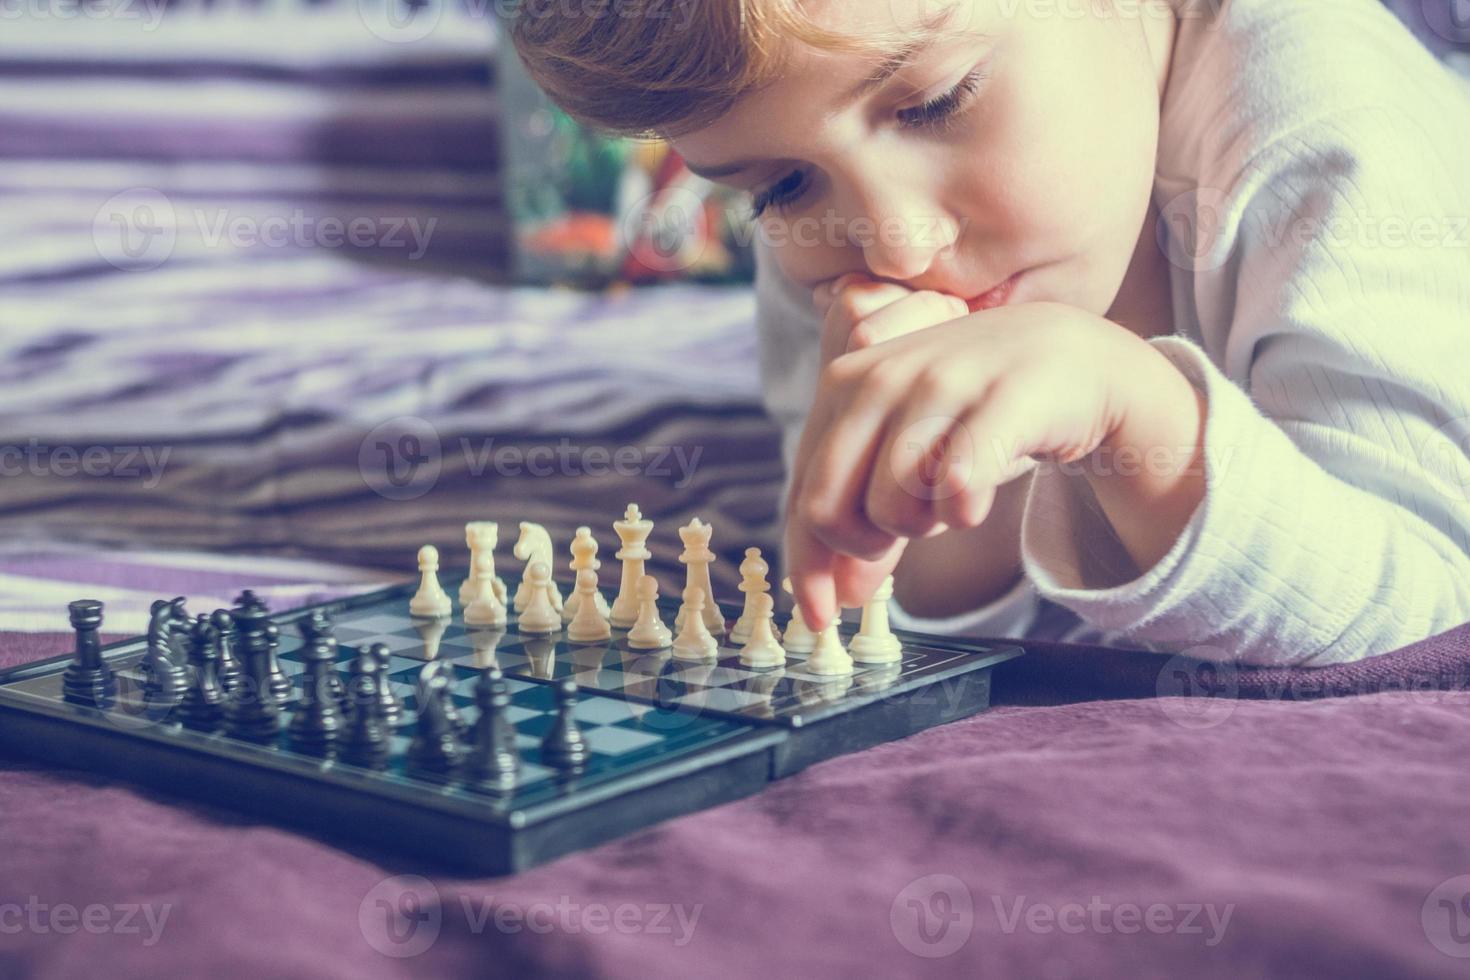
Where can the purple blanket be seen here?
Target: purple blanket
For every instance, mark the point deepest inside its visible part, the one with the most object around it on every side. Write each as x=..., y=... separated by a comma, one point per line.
x=1236, y=833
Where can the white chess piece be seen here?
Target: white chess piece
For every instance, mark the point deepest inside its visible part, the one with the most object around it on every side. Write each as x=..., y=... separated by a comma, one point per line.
x=799, y=638
x=762, y=649
x=483, y=644
x=485, y=608
x=753, y=572
x=648, y=631
x=587, y=625
x=532, y=546
x=481, y=536
x=584, y=555
x=431, y=599
x=431, y=632
x=632, y=531
x=697, y=558
x=875, y=642
x=539, y=616
x=829, y=657
x=695, y=641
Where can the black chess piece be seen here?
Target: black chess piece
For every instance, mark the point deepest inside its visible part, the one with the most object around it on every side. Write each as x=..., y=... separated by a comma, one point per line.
x=88, y=680
x=227, y=664
x=390, y=707
x=318, y=628
x=317, y=723
x=435, y=746
x=202, y=707
x=493, y=758
x=366, y=741
x=564, y=746
x=251, y=712
x=164, y=679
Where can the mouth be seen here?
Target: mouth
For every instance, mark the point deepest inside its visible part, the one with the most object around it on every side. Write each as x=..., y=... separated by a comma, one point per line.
x=995, y=296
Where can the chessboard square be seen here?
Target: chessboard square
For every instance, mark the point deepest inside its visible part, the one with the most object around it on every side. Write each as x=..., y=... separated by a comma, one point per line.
x=618, y=741
x=400, y=645
x=714, y=677
x=516, y=714
x=379, y=623
x=398, y=744
x=530, y=772
x=603, y=680
x=602, y=711
x=722, y=699
x=526, y=741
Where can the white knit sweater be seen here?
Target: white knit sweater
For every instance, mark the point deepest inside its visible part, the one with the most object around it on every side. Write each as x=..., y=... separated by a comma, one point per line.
x=1320, y=158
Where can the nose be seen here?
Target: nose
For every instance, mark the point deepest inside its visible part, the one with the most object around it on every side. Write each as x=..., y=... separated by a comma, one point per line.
x=904, y=231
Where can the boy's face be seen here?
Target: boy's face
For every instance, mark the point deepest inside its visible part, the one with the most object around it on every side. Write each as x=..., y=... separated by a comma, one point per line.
x=1044, y=171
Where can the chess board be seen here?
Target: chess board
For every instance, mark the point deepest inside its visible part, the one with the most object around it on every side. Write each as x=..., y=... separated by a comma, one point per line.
x=666, y=736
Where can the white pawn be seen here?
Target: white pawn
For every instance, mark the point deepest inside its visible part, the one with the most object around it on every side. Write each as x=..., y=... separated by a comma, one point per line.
x=539, y=616
x=648, y=631
x=875, y=642
x=829, y=657
x=584, y=555
x=799, y=638
x=695, y=641
x=753, y=571
x=587, y=625
x=762, y=649
x=431, y=599
x=485, y=608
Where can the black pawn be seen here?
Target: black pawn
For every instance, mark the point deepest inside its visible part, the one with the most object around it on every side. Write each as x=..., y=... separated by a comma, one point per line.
x=227, y=664
x=317, y=628
x=366, y=742
x=317, y=723
x=88, y=680
x=494, y=757
x=564, y=746
x=202, y=708
x=435, y=746
x=391, y=709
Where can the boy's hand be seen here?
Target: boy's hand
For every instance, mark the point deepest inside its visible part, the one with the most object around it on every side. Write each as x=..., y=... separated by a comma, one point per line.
x=857, y=312
x=915, y=432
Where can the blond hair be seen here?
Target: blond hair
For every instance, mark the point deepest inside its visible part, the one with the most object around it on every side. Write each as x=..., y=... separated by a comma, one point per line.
x=658, y=68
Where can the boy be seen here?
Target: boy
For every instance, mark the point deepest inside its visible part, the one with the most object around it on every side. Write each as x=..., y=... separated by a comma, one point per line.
x=1155, y=310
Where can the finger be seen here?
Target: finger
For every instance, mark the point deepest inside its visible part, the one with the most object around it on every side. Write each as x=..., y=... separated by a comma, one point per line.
x=855, y=580
x=926, y=478
x=811, y=567
x=912, y=313
x=835, y=477
x=823, y=293
x=854, y=304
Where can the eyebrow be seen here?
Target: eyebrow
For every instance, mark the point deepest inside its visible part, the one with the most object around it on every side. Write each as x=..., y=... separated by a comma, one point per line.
x=895, y=62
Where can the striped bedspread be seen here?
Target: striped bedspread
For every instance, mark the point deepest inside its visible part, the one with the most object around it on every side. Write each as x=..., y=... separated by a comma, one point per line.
x=253, y=333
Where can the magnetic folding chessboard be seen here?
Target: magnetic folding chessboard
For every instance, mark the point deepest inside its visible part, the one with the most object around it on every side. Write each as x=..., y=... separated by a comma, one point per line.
x=666, y=736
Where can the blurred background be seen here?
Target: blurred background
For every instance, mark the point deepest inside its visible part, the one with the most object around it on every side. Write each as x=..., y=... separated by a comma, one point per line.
x=289, y=289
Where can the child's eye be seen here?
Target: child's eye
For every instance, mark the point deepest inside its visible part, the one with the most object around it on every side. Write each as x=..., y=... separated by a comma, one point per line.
x=942, y=108
x=779, y=195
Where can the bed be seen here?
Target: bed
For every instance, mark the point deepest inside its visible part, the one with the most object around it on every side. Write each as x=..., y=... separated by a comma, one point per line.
x=194, y=411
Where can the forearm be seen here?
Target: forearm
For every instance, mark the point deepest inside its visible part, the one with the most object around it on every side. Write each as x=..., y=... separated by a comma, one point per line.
x=965, y=569
x=1148, y=475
